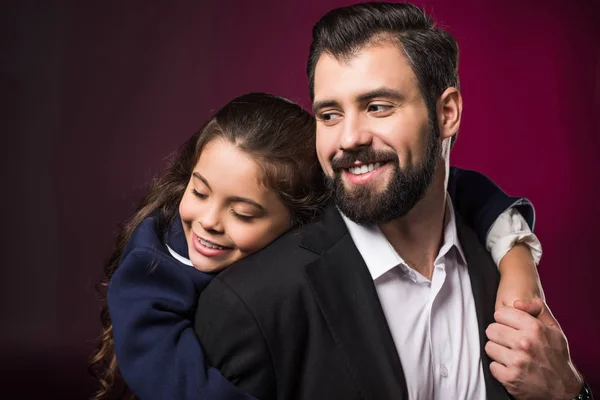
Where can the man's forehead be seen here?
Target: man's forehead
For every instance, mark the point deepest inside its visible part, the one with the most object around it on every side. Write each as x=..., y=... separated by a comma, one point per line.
x=372, y=67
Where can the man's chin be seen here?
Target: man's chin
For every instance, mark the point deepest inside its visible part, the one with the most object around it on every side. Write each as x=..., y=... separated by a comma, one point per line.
x=359, y=199
x=363, y=191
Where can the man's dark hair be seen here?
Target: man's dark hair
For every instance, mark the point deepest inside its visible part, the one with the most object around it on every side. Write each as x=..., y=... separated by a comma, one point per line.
x=431, y=52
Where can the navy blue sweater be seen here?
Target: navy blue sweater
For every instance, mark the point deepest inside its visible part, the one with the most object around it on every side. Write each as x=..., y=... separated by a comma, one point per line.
x=152, y=299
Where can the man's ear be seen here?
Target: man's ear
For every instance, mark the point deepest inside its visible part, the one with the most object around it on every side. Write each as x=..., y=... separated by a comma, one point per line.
x=449, y=110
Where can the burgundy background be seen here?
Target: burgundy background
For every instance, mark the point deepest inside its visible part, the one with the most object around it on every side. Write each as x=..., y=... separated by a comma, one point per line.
x=99, y=94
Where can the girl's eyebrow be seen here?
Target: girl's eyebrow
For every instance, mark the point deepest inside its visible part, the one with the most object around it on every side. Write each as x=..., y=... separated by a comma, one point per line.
x=234, y=199
x=198, y=176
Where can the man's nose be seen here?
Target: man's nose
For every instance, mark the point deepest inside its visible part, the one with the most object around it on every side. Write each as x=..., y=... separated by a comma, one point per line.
x=355, y=133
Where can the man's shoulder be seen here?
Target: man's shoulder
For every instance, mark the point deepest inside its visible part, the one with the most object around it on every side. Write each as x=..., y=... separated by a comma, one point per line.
x=281, y=265
x=282, y=261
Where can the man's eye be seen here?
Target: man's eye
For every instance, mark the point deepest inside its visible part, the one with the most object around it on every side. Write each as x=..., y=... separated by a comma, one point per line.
x=329, y=116
x=378, y=107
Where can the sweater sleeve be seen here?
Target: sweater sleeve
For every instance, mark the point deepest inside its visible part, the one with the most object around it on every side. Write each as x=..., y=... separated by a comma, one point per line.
x=480, y=201
x=152, y=302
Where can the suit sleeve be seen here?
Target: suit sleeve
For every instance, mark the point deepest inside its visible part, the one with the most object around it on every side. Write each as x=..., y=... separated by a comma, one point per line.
x=480, y=201
x=233, y=340
x=151, y=303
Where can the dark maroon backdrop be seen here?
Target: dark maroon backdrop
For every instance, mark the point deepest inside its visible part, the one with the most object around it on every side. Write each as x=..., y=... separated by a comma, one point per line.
x=99, y=94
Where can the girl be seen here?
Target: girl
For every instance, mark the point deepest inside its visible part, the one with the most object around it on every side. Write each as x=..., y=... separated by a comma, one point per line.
x=256, y=160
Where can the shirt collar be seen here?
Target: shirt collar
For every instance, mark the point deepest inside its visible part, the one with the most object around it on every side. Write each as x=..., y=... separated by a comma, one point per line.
x=378, y=253
x=451, y=233
x=176, y=242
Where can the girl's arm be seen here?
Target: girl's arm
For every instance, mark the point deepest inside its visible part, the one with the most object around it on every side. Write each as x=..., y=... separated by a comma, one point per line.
x=152, y=302
x=516, y=251
x=504, y=224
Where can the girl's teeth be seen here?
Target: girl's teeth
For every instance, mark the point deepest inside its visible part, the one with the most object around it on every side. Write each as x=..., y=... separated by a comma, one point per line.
x=363, y=169
x=210, y=245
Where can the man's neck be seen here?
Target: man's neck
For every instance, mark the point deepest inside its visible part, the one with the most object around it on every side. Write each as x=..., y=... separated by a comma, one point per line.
x=417, y=237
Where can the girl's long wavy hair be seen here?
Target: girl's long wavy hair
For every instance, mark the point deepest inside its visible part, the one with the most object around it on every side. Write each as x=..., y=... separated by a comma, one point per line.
x=279, y=135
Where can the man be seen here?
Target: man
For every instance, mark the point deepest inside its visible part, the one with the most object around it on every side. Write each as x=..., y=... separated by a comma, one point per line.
x=324, y=313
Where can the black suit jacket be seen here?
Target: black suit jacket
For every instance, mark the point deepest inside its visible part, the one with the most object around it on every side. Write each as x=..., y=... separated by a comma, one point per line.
x=302, y=320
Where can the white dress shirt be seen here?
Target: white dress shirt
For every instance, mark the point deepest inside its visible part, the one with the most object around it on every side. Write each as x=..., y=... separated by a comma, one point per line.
x=510, y=228
x=433, y=322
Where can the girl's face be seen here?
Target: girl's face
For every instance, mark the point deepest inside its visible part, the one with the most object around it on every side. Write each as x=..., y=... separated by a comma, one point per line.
x=227, y=212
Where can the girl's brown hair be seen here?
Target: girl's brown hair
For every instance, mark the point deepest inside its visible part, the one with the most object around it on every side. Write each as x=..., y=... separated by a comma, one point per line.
x=279, y=135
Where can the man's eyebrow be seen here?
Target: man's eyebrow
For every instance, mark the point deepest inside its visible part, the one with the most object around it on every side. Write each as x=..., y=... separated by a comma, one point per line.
x=362, y=98
x=380, y=92
x=236, y=199
x=317, y=105
x=198, y=176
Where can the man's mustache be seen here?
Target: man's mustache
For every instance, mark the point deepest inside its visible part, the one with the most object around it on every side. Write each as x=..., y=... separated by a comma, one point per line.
x=365, y=156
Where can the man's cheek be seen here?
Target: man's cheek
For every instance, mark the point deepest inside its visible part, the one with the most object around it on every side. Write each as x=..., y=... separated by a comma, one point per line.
x=325, y=153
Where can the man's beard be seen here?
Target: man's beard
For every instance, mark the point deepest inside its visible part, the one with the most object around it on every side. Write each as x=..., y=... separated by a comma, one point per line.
x=365, y=204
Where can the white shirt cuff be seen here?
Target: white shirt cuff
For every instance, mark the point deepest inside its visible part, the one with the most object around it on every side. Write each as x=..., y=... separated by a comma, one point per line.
x=509, y=229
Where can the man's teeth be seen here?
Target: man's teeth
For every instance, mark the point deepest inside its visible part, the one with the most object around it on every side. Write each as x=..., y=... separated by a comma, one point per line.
x=208, y=244
x=363, y=169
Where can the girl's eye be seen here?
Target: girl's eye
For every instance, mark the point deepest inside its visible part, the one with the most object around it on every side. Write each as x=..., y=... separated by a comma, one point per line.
x=198, y=194
x=245, y=218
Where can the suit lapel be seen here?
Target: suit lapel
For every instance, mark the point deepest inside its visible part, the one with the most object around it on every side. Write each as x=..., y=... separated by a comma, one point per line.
x=348, y=300
x=484, y=278
x=346, y=295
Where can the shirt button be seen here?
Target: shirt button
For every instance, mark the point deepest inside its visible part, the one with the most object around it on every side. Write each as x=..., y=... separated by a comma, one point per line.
x=444, y=371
